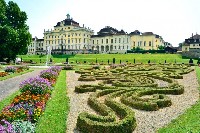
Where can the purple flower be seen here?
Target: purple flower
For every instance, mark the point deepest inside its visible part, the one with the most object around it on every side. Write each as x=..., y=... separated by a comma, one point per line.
x=35, y=85
x=10, y=69
x=6, y=127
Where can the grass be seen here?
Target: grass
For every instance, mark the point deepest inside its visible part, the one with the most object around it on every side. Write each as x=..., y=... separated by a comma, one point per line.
x=189, y=122
x=6, y=101
x=55, y=116
x=139, y=58
x=14, y=75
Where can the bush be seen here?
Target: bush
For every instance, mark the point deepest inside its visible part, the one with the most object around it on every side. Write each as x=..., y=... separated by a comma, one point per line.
x=68, y=67
x=10, y=69
x=35, y=85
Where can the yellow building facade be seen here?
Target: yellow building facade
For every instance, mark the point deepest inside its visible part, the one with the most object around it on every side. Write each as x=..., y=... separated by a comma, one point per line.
x=67, y=37
x=145, y=41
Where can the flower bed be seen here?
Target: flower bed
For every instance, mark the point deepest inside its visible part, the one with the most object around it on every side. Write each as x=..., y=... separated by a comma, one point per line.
x=27, y=107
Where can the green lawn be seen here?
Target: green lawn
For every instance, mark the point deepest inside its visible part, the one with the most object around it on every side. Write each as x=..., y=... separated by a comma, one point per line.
x=6, y=101
x=154, y=58
x=55, y=116
x=189, y=122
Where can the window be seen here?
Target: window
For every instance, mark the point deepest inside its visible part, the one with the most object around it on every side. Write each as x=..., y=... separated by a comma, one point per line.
x=138, y=43
x=102, y=41
x=93, y=41
x=144, y=43
x=68, y=41
x=119, y=47
x=193, y=45
x=106, y=41
x=68, y=35
x=68, y=46
x=98, y=42
x=149, y=43
x=68, y=27
x=119, y=40
x=84, y=40
x=123, y=47
x=111, y=40
x=115, y=47
x=115, y=40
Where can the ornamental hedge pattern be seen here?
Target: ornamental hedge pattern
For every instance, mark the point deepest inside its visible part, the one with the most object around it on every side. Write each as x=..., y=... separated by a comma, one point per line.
x=124, y=87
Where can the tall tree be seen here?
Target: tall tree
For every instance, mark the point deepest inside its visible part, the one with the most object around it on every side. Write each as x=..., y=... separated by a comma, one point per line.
x=14, y=32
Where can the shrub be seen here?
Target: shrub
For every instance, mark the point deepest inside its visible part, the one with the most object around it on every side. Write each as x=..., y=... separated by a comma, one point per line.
x=96, y=67
x=68, y=67
x=5, y=127
x=35, y=85
x=10, y=69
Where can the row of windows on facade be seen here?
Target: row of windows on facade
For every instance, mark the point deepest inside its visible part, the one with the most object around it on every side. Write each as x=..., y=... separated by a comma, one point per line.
x=140, y=43
x=72, y=34
x=78, y=47
x=196, y=45
x=39, y=44
x=30, y=50
x=111, y=41
x=64, y=41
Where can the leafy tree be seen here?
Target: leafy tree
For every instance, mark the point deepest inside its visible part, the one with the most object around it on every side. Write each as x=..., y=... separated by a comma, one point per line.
x=161, y=47
x=14, y=34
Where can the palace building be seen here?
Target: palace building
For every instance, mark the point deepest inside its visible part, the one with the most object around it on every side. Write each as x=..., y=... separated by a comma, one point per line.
x=146, y=40
x=110, y=40
x=68, y=37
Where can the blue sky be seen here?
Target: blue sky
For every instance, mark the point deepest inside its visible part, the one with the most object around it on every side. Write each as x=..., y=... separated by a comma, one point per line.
x=174, y=20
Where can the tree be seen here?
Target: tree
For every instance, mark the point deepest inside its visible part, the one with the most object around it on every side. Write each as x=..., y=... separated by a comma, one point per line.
x=14, y=34
x=161, y=47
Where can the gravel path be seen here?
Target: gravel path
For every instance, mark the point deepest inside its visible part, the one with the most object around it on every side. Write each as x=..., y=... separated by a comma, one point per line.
x=11, y=85
x=146, y=121
x=78, y=102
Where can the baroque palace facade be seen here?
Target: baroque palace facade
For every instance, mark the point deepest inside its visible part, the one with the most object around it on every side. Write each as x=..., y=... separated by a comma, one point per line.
x=68, y=37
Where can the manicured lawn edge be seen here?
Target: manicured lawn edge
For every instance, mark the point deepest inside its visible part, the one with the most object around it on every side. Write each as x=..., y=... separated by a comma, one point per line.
x=6, y=101
x=55, y=116
x=188, y=122
x=15, y=74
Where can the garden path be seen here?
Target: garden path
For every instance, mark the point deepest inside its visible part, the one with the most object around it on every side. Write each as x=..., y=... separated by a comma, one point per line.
x=9, y=86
